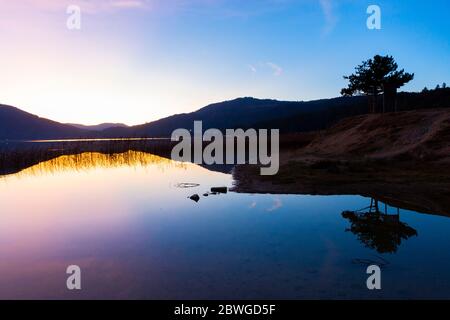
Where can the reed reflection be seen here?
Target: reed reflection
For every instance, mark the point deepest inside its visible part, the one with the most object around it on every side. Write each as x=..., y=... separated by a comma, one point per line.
x=95, y=160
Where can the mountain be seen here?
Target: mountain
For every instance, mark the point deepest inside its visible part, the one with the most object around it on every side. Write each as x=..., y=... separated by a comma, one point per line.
x=98, y=127
x=16, y=124
x=288, y=116
x=238, y=113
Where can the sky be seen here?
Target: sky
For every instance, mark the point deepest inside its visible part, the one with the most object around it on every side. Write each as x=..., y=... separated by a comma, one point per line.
x=135, y=61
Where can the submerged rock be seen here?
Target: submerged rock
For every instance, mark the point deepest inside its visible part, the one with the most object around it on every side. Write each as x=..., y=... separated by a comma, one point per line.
x=195, y=197
x=219, y=190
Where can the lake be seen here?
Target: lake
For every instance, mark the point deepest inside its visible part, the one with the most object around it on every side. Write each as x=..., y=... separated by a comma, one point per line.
x=128, y=221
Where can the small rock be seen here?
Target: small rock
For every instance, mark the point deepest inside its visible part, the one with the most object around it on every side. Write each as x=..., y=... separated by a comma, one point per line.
x=195, y=197
x=219, y=189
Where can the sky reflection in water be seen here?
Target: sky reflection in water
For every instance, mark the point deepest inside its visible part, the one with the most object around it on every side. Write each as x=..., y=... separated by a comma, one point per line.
x=135, y=234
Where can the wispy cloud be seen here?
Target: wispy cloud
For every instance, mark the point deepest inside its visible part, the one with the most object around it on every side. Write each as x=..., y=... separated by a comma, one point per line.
x=330, y=17
x=276, y=69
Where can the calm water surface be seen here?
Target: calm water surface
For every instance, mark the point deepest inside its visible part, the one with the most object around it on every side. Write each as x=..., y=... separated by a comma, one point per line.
x=130, y=226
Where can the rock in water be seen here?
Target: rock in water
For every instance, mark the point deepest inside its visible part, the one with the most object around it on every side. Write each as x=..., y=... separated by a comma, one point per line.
x=219, y=189
x=195, y=197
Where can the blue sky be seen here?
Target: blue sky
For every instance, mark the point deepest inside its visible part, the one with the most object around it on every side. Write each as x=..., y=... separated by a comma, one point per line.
x=135, y=60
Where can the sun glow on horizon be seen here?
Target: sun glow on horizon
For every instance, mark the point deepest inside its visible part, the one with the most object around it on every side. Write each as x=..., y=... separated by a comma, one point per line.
x=94, y=75
x=136, y=61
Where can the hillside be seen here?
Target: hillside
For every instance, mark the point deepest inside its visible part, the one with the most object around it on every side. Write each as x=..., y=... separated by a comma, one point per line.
x=317, y=118
x=238, y=113
x=16, y=124
x=399, y=158
x=288, y=116
x=410, y=135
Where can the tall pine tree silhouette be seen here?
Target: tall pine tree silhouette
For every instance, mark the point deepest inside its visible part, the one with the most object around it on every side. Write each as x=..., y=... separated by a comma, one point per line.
x=379, y=75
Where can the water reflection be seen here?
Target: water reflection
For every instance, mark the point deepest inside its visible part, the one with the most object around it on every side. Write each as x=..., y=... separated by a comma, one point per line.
x=21, y=155
x=126, y=219
x=94, y=160
x=383, y=232
x=426, y=192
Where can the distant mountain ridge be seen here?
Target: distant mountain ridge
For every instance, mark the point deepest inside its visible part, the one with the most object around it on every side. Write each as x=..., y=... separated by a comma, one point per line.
x=288, y=116
x=98, y=127
x=238, y=113
x=16, y=124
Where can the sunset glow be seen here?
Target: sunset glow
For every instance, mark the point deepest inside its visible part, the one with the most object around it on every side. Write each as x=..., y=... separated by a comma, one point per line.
x=135, y=61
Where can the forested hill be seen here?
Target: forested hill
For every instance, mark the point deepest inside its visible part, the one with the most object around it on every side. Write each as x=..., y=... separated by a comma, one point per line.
x=288, y=116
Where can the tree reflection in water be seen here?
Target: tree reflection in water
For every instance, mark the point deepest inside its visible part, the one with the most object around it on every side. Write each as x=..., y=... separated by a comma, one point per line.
x=377, y=230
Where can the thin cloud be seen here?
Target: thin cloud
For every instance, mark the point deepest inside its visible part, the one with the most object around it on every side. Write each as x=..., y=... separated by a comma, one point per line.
x=252, y=68
x=276, y=69
x=328, y=12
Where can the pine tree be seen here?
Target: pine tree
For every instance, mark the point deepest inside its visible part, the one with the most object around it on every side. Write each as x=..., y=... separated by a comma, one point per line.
x=379, y=75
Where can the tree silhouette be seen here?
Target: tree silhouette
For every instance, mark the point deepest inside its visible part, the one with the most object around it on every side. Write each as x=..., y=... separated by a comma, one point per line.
x=379, y=75
x=378, y=231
